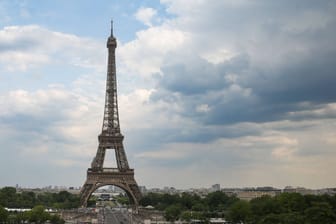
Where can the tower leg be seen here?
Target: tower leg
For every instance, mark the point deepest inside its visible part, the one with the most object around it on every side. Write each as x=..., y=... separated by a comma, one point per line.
x=98, y=161
x=85, y=194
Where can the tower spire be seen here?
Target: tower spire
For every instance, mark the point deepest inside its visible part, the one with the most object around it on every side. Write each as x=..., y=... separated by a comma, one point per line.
x=111, y=27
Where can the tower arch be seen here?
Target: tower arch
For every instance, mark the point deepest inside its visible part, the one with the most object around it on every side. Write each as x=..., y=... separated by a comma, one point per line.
x=131, y=197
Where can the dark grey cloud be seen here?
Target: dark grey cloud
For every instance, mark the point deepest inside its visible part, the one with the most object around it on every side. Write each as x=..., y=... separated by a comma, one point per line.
x=276, y=93
x=197, y=76
x=313, y=80
x=273, y=93
x=163, y=135
x=283, y=63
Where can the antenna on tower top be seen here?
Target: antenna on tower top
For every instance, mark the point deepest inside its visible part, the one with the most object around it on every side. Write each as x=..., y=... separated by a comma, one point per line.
x=111, y=27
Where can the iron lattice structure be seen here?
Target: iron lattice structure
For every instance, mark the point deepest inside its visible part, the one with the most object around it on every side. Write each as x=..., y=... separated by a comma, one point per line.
x=111, y=139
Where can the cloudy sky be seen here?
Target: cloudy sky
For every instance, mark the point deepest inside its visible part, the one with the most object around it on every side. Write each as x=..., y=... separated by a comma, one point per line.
x=236, y=92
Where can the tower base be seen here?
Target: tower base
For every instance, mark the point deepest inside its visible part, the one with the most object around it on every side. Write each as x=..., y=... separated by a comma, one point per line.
x=111, y=176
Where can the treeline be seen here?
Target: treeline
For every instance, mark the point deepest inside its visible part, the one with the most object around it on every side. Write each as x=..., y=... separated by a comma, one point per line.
x=10, y=198
x=36, y=215
x=285, y=208
x=63, y=200
x=187, y=206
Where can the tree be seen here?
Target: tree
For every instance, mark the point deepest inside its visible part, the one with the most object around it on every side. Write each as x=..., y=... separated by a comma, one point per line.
x=186, y=216
x=122, y=199
x=8, y=197
x=284, y=218
x=20, y=217
x=219, y=201
x=239, y=212
x=270, y=219
x=3, y=214
x=26, y=200
x=37, y=215
x=320, y=212
x=291, y=218
x=263, y=206
x=189, y=200
x=54, y=219
x=200, y=207
x=173, y=212
x=292, y=202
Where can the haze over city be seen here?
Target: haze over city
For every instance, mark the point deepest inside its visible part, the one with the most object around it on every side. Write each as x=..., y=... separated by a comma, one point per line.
x=235, y=92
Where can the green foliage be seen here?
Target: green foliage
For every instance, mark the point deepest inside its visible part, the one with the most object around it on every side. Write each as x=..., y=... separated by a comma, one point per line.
x=18, y=217
x=215, y=202
x=37, y=215
x=12, y=199
x=286, y=208
x=122, y=199
x=3, y=214
x=8, y=197
x=150, y=199
x=26, y=199
x=240, y=211
x=172, y=212
x=63, y=200
x=54, y=219
x=219, y=201
x=192, y=215
x=292, y=202
x=189, y=200
x=200, y=207
x=320, y=213
x=284, y=218
x=263, y=206
x=186, y=216
x=190, y=206
x=162, y=201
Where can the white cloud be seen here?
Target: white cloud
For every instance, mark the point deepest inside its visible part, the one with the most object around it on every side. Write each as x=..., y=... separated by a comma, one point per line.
x=25, y=47
x=218, y=56
x=203, y=108
x=35, y=150
x=145, y=15
x=67, y=163
x=144, y=55
x=172, y=153
x=283, y=153
x=53, y=117
x=38, y=103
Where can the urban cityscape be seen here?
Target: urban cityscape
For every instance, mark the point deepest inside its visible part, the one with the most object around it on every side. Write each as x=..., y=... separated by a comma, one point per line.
x=110, y=205
x=246, y=193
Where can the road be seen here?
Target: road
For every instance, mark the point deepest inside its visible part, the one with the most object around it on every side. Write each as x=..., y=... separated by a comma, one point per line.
x=116, y=216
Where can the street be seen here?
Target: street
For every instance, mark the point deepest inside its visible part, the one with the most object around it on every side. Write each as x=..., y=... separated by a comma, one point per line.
x=115, y=216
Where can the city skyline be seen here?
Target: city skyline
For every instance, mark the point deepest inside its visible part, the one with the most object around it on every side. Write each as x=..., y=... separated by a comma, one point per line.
x=239, y=93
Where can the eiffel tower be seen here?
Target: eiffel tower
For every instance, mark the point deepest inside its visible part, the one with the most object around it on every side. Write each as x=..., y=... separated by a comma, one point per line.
x=111, y=139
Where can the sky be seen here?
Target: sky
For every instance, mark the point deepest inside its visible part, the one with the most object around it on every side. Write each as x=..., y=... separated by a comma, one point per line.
x=236, y=92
